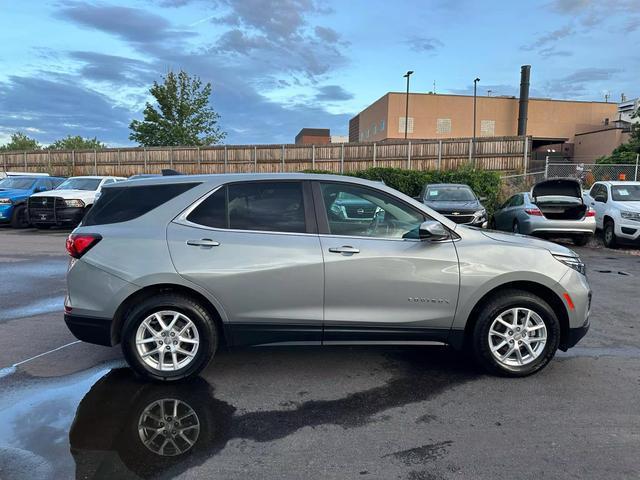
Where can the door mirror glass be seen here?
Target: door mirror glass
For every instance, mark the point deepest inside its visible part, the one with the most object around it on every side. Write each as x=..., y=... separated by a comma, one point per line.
x=600, y=198
x=432, y=230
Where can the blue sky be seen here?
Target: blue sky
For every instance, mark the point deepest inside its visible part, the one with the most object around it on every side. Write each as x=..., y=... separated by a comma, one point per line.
x=84, y=67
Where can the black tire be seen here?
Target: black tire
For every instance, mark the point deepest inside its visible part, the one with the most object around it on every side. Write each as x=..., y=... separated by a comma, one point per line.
x=19, y=217
x=516, y=227
x=492, y=224
x=204, y=323
x=504, y=301
x=581, y=240
x=609, y=234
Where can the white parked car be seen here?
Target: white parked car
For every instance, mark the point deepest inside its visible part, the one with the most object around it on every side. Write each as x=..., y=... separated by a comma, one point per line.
x=67, y=204
x=617, y=206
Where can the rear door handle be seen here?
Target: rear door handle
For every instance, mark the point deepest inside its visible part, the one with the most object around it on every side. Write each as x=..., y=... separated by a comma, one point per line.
x=345, y=250
x=204, y=242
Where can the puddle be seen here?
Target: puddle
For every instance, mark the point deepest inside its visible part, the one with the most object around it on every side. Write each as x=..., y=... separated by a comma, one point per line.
x=613, y=272
x=107, y=423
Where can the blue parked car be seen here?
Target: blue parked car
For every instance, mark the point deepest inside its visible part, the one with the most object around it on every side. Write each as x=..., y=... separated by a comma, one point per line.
x=14, y=192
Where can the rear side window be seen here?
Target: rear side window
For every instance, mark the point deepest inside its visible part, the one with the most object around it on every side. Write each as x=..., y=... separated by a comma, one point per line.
x=120, y=204
x=264, y=206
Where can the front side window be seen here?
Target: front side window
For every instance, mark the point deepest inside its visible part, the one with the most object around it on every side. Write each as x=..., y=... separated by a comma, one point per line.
x=364, y=212
x=263, y=206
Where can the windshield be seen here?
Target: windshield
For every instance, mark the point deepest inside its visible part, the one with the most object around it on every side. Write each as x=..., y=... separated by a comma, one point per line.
x=450, y=194
x=625, y=193
x=79, y=184
x=18, y=183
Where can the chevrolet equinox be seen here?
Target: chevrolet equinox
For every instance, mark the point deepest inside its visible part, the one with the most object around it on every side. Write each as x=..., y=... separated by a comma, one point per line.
x=174, y=267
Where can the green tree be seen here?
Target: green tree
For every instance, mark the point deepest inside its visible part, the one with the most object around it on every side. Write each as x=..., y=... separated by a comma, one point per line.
x=627, y=152
x=19, y=141
x=181, y=115
x=77, y=143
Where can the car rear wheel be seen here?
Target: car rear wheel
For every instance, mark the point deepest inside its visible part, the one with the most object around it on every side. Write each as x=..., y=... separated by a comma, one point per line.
x=609, y=234
x=517, y=333
x=19, y=217
x=169, y=337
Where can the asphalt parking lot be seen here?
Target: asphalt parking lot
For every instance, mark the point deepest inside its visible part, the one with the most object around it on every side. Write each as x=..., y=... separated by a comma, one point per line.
x=73, y=410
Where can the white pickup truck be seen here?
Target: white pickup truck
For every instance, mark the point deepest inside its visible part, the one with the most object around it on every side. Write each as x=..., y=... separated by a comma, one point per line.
x=617, y=206
x=67, y=204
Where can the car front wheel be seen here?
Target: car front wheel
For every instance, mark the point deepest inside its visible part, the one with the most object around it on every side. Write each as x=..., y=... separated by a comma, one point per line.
x=516, y=334
x=609, y=234
x=169, y=337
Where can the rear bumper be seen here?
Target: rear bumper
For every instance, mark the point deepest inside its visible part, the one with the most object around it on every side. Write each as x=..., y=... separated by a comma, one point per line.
x=544, y=226
x=90, y=329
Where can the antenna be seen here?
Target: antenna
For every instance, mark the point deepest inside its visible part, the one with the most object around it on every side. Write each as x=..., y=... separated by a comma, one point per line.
x=606, y=96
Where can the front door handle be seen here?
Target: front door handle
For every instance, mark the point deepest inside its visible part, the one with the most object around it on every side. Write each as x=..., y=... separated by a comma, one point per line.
x=204, y=242
x=345, y=250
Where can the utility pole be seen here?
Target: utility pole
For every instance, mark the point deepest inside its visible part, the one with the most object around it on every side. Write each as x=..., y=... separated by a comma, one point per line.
x=406, y=110
x=475, y=95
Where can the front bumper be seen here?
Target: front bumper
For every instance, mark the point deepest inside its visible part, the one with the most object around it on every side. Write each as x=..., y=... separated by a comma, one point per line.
x=6, y=210
x=90, y=329
x=627, y=230
x=58, y=216
x=575, y=335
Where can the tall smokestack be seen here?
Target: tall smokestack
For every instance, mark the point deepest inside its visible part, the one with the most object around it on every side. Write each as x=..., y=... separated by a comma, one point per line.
x=525, y=74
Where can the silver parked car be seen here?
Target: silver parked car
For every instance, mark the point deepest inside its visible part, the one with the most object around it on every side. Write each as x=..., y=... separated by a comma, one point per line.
x=174, y=267
x=554, y=208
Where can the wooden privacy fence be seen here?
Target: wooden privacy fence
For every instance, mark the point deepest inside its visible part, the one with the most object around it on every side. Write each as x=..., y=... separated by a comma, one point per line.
x=494, y=153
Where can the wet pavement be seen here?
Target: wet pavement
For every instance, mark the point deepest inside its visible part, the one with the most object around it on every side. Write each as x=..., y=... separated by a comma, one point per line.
x=72, y=410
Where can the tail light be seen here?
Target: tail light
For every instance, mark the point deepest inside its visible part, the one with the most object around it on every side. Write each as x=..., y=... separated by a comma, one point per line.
x=80, y=243
x=533, y=211
x=591, y=212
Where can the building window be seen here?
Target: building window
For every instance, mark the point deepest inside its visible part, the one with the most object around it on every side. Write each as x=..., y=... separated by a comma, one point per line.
x=374, y=128
x=382, y=125
x=401, y=125
x=487, y=128
x=443, y=126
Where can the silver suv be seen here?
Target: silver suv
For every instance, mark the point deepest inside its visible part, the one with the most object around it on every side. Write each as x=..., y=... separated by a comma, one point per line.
x=175, y=267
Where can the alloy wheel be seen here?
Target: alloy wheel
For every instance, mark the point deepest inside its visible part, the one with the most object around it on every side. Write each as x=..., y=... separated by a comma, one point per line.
x=517, y=337
x=167, y=340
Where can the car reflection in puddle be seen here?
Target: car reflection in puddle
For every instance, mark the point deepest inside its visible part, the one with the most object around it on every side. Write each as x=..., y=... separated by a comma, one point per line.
x=150, y=428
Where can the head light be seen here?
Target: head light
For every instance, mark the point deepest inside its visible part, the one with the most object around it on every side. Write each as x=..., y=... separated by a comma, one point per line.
x=572, y=262
x=74, y=203
x=630, y=215
x=480, y=213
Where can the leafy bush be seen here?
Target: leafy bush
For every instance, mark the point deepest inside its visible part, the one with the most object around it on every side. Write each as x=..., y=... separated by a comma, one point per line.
x=484, y=183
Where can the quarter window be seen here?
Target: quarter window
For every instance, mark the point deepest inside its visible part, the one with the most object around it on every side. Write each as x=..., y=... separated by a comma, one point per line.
x=265, y=206
x=363, y=212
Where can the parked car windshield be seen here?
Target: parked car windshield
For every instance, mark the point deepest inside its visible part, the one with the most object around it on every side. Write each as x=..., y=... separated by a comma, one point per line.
x=79, y=184
x=19, y=183
x=450, y=194
x=625, y=193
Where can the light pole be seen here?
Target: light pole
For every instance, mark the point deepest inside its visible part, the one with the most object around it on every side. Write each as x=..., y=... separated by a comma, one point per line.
x=475, y=91
x=406, y=110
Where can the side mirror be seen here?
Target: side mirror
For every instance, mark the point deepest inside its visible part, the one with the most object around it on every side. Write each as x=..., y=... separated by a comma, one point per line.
x=432, y=230
x=418, y=198
x=482, y=199
x=600, y=198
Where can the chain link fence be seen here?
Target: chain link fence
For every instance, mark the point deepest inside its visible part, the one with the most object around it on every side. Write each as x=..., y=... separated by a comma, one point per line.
x=588, y=173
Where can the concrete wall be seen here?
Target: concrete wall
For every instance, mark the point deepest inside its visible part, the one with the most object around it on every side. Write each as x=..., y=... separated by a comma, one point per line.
x=447, y=116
